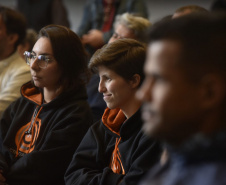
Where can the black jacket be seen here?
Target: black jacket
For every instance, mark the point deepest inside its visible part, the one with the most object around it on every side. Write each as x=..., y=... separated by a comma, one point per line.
x=39, y=152
x=91, y=162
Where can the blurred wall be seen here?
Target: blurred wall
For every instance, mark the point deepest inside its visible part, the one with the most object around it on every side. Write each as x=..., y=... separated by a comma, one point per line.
x=157, y=8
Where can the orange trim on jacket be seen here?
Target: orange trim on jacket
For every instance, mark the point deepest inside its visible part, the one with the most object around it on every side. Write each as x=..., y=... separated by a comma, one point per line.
x=32, y=93
x=27, y=135
x=113, y=120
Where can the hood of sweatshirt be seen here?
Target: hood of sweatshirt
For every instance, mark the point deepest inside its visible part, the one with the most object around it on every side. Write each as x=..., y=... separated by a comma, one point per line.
x=35, y=95
x=113, y=119
x=32, y=93
x=27, y=135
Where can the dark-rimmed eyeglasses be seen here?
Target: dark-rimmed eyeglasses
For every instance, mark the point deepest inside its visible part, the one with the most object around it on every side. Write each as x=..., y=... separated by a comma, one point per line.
x=42, y=62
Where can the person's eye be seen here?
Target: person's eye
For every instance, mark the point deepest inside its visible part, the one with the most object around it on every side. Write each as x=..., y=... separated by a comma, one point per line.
x=107, y=79
x=43, y=57
x=115, y=35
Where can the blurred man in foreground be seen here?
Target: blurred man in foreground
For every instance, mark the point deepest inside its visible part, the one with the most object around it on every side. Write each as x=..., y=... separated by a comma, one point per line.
x=185, y=98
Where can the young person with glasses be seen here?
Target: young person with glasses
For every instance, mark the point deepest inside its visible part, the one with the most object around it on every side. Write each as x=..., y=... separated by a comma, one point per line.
x=40, y=131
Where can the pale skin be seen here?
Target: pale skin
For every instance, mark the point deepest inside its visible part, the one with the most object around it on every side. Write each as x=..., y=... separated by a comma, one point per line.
x=117, y=92
x=48, y=77
x=93, y=38
x=120, y=32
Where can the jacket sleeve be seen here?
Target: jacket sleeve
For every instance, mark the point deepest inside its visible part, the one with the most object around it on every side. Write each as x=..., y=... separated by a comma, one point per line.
x=89, y=167
x=143, y=159
x=89, y=163
x=86, y=21
x=11, y=90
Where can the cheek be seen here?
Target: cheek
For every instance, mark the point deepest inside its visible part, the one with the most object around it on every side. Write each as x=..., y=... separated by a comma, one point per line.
x=54, y=74
x=161, y=96
x=111, y=40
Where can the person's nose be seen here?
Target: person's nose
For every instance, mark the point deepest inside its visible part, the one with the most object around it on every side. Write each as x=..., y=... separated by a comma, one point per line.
x=34, y=64
x=144, y=93
x=101, y=87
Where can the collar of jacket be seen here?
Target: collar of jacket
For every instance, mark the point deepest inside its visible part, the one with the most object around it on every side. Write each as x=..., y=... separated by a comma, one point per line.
x=35, y=95
x=127, y=127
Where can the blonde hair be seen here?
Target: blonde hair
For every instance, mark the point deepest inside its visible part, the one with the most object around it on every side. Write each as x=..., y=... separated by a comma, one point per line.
x=137, y=24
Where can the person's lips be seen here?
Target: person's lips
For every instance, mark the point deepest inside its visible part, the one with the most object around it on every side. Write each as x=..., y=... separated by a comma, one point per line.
x=106, y=97
x=35, y=78
x=147, y=113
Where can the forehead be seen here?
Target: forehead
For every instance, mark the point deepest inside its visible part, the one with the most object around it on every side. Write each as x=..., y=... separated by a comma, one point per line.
x=43, y=46
x=103, y=70
x=163, y=54
x=124, y=31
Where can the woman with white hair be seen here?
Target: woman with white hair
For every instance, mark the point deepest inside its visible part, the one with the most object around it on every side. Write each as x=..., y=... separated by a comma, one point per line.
x=130, y=26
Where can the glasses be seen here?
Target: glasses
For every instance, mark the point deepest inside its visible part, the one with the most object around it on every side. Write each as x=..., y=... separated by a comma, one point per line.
x=42, y=60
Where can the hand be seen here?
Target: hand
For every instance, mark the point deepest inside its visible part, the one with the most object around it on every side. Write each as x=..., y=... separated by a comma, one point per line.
x=94, y=38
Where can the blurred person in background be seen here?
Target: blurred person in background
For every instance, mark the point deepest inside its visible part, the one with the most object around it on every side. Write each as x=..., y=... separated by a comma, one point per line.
x=130, y=26
x=13, y=70
x=28, y=42
x=218, y=6
x=184, y=10
x=40, y=13
x=96, y=26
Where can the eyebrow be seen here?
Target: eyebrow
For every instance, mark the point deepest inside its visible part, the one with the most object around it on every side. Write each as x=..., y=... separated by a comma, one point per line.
x=42, y=53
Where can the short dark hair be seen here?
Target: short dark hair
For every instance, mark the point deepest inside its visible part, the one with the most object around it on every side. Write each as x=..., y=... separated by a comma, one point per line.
x=125, y=57
x=192, y=8
x=15, y=23
x=69, y=53
x=202, y=39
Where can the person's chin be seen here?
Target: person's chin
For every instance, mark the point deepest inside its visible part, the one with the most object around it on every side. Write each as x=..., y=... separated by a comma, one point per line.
x=148, y=128
x=110, y=106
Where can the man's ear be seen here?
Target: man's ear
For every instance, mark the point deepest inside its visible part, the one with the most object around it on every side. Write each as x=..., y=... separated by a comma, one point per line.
x=212, y=89
x=135, y=81
x=12, y=38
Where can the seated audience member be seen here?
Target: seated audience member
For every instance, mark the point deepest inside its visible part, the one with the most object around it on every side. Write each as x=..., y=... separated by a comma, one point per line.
x=130, y=26
x=184, y=95
x=184, y=10
x=40, y=13
x=96, y=26
x=218, y=6
x=13, y=70
x=28, y=42
x=115, y=150
x=126, y=26
x=41, y=130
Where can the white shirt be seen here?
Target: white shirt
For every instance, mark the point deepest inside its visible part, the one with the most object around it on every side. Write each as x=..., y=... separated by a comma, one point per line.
x=14, y=72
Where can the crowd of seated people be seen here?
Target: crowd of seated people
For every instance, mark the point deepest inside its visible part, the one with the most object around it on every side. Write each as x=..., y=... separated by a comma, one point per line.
x=122, y=101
